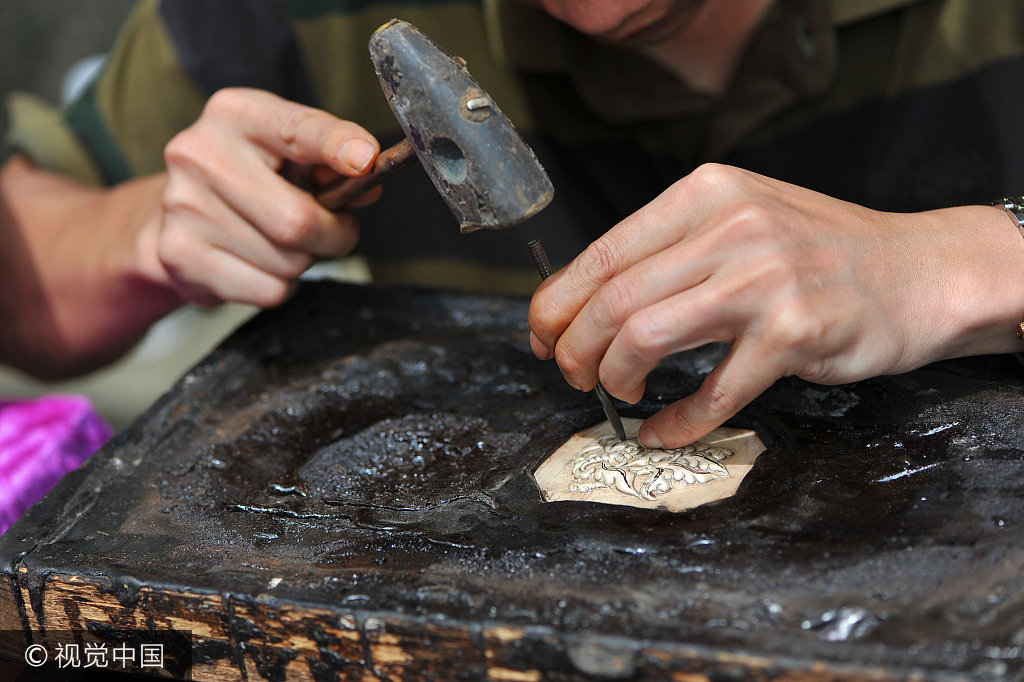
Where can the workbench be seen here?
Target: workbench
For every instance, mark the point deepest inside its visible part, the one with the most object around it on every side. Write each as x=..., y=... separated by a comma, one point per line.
x=343, y=490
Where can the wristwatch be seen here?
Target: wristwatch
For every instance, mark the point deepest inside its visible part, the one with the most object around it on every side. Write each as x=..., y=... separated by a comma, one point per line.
x=1014, y=207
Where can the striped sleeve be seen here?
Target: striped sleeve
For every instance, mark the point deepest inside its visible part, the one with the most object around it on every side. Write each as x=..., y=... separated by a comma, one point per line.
x=117, y=128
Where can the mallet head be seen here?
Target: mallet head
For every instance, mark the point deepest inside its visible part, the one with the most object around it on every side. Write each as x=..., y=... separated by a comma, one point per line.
x=473, y=154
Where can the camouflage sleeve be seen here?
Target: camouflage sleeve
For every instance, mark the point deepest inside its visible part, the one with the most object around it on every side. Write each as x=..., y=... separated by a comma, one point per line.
x=117, y=128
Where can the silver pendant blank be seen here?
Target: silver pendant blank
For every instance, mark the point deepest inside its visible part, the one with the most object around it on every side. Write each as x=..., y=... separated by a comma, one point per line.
x=595, y=466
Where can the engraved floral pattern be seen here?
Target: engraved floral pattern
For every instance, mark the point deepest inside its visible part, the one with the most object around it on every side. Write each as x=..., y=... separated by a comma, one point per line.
x=631, y=469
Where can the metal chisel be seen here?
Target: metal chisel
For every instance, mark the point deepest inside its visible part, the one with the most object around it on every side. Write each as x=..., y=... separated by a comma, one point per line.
x=540, y=259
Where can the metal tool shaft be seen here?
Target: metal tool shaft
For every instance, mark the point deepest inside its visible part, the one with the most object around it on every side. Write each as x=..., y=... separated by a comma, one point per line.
x=540, y=259
x=346, y=190
x=610, y=412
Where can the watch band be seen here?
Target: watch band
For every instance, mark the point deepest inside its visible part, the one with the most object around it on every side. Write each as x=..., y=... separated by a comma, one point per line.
x=1014, y=207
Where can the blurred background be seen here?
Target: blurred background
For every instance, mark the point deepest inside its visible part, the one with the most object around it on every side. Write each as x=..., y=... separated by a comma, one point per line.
x=40, y=42
x=41, y=39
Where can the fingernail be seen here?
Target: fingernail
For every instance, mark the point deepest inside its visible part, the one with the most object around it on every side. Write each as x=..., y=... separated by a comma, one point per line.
x=569, y=380
x=539, y=349
x=648, y=438
x=358, y=153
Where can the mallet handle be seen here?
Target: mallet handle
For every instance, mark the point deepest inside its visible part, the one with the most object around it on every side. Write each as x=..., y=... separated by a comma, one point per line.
x=344, y=191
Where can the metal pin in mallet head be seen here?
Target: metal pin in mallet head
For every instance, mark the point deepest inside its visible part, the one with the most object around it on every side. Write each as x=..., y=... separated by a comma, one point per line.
x=540, y=259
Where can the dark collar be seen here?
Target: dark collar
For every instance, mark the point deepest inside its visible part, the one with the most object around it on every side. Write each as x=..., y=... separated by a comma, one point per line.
x=791, y=55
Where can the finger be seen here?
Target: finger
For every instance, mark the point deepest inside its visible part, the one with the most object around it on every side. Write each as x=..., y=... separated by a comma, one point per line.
x=687, y=320
x=287, y=216
x=742, y=376
x=215, y=276
x=539, y=349
x=323, y=175
x=559, y=299
x=657, y=278
x=288, y=130
x=665, y=221
x=206, y=221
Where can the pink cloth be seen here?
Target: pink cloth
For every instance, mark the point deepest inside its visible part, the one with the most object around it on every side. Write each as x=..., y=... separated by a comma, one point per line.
x=40, y=441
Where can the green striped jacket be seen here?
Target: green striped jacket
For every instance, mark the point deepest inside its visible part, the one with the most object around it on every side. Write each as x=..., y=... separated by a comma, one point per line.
x=894, y=104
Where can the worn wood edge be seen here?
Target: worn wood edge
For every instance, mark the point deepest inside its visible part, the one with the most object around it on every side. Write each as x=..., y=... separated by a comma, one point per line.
x=10, y=612
x=273, y=640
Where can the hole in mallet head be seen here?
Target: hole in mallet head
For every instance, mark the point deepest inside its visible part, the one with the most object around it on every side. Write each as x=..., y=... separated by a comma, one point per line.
x=449, y=160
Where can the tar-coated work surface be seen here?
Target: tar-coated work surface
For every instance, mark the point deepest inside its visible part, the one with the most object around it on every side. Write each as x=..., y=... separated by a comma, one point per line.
x=343, y=491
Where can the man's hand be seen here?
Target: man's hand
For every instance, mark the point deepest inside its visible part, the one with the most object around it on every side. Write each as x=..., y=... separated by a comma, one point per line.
x=85, y=271
x=234, y=229
x=797, y=282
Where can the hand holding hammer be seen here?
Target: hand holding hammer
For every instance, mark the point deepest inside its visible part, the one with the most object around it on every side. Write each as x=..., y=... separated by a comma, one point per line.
x=227, y=226
x=475, y=157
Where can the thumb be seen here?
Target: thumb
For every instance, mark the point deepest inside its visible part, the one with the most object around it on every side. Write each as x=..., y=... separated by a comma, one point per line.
x=742, y=376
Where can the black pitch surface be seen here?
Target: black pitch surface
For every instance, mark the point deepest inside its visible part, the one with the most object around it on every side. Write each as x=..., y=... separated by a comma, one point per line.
x=373, y=448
